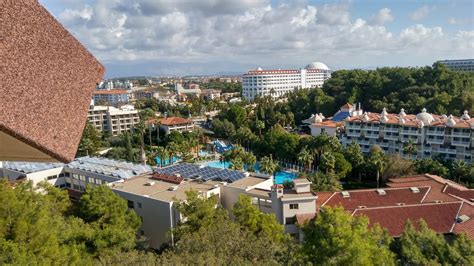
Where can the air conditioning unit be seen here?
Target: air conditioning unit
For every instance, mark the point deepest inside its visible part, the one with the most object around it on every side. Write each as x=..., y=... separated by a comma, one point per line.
x=345, y=194
x=173, y=188
x=381, y=192
x=415, y=190
x=151, y=183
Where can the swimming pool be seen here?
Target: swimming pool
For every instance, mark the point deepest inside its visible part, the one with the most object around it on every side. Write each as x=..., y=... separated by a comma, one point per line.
x=280, y=177
x=166, y=161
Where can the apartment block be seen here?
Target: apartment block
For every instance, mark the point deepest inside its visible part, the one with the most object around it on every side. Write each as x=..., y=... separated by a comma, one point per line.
x=433, y=135
x=112, y=97
x=116, y=121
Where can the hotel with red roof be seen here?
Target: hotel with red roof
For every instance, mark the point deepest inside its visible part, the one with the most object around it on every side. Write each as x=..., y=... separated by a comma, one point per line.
x=260, y=82
x=448, y=136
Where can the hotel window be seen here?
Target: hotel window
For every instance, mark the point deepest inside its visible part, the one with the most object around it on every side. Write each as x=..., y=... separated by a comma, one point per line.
x=130, y=204
x=139, y=204
x=294, y=206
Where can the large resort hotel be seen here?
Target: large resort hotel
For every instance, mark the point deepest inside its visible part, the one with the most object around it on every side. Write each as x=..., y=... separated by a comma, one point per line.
x=260, y=82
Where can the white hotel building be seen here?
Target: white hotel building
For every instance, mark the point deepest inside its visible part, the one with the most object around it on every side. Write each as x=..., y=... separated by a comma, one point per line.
x=434, y=135
x=277, y=83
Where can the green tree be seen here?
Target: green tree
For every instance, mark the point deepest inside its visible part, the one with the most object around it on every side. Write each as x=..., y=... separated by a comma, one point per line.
x=425, y=247
x=260, y=125
x=377, y=161
x=327, y=162
x=237, y=163
x=353, y=154
x=128, y=148
x=428, y=165
x=410, y=147
x=261, y=224
x=249, y=160
x=306, y=157
x=162, y=153
x=114, y=225
x=341, y=166
x=267, y=165
x=324, y=182
x=335, y=237
x=198, y=212
x=90, y=142
x=397, y=167
x=459, y=170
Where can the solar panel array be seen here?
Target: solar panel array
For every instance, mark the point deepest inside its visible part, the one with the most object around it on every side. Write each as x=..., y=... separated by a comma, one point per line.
x=109, y=167
x=340, y=116
x=29, y=167
x=193, y=171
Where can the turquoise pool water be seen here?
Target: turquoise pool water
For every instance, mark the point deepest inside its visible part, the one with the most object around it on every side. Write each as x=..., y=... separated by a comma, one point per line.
x=280, y=177
x=166, y=161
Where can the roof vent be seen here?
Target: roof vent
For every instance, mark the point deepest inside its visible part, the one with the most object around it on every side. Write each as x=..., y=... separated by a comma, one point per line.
x=400, y=204
x=463, y=218
x=345, y=194
x=381, y=192
x=361, y=207
x=151, y=183
x=415, y=190
x=173, y=188
x=472, y=200
x=178, y=175
x=438, y=201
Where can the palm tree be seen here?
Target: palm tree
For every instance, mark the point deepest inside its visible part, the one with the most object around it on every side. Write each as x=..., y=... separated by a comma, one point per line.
x=410, y=147
x=259, y=124
x=249, y=159
x=306, y=157
x=172, y=151
x=460, y=170
x=328, y=162
x=268, y=166
x=141, y=128
x=163, y=153
x=237, y=164
x=377, y=161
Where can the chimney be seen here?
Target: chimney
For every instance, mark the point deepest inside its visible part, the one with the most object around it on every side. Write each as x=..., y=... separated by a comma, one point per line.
x=277, y=191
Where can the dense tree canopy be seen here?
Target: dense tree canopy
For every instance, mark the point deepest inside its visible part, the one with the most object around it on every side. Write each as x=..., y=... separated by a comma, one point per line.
x=38, y=226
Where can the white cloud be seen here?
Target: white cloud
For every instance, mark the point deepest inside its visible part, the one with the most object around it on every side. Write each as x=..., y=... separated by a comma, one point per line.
x=383, y=16
x=421, y=12
x=209, y=36
x=72, y=14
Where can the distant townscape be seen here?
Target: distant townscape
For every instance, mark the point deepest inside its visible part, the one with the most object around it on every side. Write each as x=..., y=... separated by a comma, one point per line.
x=305, y=166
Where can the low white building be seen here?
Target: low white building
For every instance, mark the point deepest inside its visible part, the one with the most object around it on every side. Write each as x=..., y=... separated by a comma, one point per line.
x=170, y=124
x=36, y=172
x=153, y=196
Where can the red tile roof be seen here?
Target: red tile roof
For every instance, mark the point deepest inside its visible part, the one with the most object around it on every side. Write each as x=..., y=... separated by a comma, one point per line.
x=410, y=120
x=440, y=217
x=439, y=203
x=172, y=121
x=467, y=226
x=47, y=81
x=370, y=198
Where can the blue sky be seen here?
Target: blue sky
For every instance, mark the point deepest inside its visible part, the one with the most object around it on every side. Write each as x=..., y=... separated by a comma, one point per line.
x=181, y=37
